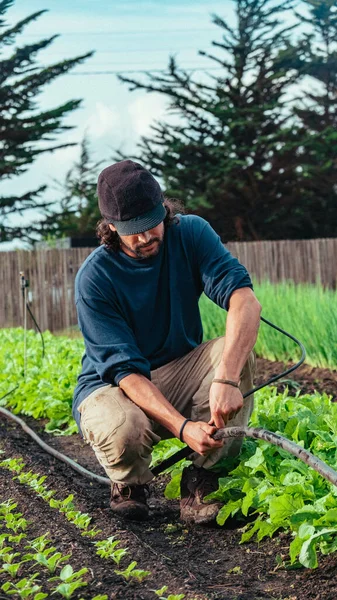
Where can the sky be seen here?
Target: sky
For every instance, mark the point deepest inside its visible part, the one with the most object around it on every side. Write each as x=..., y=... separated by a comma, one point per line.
x=133, y=35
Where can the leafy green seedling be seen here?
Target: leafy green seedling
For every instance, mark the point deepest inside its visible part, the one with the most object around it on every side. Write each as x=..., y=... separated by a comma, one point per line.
x=91, y=532
x=53, y=503
x=161, y=591
x=130, y=571
x=98, y=597
x=12, y=520
x=16, y=539
x=11, y=568
x=13, y=464
x=170, y=597
x=25, y=588
x=172, y=528
x=106, y=549
x=15, y=522
x=50, y=562
x=7, y=507
x=235, y=571
x=13, y=539
x=5, y=550
x=64, y=505
x=67, y=589
x=118, y=555
x=6, y=556
x=81, y=520
x=47, y=494
x=39, y=544
x=29, y=478
x=70, y=581
x=68, y=574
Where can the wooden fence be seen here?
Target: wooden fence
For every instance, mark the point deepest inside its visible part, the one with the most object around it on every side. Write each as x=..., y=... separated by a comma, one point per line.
x=51, y=274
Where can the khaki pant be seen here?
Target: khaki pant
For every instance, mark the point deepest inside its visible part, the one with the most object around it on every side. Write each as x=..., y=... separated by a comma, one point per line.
x=121, y=434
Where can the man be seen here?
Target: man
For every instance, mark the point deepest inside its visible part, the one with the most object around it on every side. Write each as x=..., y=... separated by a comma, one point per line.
x=146, y=374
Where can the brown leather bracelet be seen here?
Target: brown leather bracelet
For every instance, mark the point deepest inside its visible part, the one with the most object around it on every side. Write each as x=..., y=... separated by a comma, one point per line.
x=228, y=381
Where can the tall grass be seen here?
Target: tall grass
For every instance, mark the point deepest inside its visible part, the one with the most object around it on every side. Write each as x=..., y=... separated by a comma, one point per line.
x=307, y=311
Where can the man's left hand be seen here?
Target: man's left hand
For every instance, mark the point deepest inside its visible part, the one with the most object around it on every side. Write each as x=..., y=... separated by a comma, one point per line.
x=225, y=401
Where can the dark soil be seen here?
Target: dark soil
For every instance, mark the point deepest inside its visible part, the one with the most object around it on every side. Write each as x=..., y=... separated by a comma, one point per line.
x=199, y=562
x=305, y=379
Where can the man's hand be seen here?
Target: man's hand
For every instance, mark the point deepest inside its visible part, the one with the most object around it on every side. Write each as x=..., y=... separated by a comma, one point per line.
x=225, y=401
x=197, y=435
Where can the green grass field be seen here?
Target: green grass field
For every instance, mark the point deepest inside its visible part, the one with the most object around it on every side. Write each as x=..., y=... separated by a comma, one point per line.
x=308, y=312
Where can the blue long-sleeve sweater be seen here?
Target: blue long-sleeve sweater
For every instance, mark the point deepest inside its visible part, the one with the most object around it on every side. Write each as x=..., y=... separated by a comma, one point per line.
x=139, y=314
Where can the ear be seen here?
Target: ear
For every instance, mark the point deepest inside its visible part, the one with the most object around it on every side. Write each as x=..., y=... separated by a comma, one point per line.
x=112, y=227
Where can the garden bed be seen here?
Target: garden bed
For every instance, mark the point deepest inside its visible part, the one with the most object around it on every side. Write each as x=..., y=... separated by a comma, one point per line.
x=198, y=562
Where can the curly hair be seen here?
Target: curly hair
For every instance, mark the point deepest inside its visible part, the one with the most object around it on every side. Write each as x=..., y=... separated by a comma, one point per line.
x=111, y=239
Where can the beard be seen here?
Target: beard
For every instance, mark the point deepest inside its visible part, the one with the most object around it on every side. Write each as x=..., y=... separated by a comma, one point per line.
x=142, y=251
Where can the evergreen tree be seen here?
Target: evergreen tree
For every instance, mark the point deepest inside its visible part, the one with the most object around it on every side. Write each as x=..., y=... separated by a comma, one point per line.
x=26, y=131
x=234, y=158
x=318, y=114
x=78, y=211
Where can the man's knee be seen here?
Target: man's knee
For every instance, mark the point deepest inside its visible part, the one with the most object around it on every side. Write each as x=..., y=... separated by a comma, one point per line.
x=131, y=440
x=113, y=425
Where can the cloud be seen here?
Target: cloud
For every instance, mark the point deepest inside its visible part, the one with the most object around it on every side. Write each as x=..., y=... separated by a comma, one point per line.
x=102, y=122
x=64, y=156
x=145, y=110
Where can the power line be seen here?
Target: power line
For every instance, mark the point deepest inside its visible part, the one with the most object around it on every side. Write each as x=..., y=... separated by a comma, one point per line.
x=103, y=65
x=142, y=32
x=142, y=71
x=138, y=50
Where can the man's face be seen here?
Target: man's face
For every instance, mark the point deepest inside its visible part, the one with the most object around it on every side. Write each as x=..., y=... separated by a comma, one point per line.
x=142, y=245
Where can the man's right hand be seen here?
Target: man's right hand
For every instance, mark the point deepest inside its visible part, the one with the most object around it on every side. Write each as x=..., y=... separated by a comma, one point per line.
x=197, y=435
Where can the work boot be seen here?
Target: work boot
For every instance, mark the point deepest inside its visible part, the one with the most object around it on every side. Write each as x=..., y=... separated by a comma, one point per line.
x=129, y=501
x=196, y=483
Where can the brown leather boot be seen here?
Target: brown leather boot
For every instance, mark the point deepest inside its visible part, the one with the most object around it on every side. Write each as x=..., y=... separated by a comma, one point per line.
x=196, y=483
x=129, y=501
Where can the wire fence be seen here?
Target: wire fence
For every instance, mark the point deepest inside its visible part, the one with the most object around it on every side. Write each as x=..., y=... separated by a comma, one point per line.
x=51, y=274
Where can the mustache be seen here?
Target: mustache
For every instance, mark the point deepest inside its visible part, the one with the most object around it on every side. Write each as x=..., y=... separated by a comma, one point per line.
x=156, y=239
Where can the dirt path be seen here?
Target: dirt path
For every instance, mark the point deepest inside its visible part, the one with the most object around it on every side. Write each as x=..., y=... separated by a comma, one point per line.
x=202, y=563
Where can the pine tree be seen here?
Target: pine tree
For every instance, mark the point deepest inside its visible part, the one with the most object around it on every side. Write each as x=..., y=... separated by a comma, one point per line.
x=78, y=212
x=26, y=131
x=318, y=114
x=234, y=158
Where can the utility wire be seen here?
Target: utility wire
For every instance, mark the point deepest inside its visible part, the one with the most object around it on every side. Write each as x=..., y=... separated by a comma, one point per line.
x=130, y=32
x=105, y=65
x=126, y=50
x=191, y=70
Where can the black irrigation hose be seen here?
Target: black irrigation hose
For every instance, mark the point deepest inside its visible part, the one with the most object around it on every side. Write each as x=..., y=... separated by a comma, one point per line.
x=255, y=433
x=258, y=433
x=185, y=452
x=68, y=461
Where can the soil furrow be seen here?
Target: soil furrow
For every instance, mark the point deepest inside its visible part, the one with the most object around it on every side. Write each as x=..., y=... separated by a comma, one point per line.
x=199, y=562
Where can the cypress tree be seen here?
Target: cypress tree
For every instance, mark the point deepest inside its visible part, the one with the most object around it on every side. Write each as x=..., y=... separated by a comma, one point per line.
x=78, y=212
x=318, y=114
x=26, y=130
x=234, y=157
